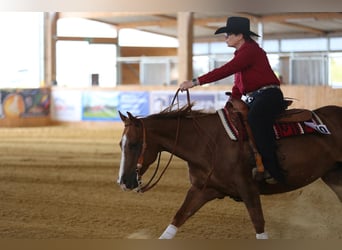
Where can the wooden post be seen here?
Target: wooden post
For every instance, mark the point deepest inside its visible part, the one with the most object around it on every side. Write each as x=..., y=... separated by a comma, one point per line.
x=185, y=38
x=50, y=35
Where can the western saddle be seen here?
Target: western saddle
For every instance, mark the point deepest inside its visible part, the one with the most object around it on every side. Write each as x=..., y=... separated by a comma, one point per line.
x=239, y=109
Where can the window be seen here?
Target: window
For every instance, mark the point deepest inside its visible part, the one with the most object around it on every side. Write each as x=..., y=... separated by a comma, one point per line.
x=312, y=44
x=21, y=49
x=84, y=62
x=335, y=70
x=157, y=71
x=78, y=62
x=79, y=27
x=137, y=38
x=309, y=70
x=220, y=48
x=271, y=45
x=336, y=43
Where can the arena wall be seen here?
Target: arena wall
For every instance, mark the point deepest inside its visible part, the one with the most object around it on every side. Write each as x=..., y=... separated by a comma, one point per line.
x=25, y=107
x=42, y=107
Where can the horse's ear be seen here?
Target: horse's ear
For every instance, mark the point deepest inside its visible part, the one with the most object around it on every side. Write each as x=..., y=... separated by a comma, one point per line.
x=133, y=119
x=130, y=116
x=123, y=117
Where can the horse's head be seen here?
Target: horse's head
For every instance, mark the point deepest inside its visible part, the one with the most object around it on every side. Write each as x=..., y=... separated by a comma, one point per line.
x=135, y=158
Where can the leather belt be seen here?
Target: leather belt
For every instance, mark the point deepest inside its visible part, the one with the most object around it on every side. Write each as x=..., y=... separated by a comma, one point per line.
x=262, y=89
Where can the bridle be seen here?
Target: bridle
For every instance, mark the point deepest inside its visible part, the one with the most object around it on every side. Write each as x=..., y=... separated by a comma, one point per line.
x=148, y=185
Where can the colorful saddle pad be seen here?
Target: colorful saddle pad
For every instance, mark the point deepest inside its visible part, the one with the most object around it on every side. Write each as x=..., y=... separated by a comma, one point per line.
x=281, y=130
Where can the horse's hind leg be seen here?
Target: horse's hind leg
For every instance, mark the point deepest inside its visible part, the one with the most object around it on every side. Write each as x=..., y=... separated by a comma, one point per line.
x=194, y=200
x=334, y=180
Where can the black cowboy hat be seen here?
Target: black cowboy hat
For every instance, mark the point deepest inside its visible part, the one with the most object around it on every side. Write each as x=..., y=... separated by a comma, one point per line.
x=236, y=25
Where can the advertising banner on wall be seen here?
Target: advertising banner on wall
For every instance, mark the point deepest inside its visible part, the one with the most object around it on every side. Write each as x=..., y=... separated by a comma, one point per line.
x=89, y=105
x=66, y=105
x=160, y=100
x=21, y=103
x=100, y=105
x=1, y=112
x=104, y=106
x=221, y=99
x=208, y=101
x=135, y=102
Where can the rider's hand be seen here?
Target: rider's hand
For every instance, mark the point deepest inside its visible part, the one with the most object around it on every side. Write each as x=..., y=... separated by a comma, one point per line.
x=186, y=85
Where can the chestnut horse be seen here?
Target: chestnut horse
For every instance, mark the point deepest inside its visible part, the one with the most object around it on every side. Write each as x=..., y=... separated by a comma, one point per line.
x=220, y=167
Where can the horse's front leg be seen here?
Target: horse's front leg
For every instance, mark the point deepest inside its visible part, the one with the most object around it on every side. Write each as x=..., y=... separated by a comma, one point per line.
x=194, y=200
x=251, y=197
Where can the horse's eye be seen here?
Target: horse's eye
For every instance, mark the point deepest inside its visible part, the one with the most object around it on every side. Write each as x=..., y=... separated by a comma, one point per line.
x=134, y=146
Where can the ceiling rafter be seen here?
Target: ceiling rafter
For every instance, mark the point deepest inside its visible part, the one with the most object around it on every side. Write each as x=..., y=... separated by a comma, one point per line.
x=305, y=28
x=97, y=15
x=166, y=23
x=159, y=23
x=286, y=17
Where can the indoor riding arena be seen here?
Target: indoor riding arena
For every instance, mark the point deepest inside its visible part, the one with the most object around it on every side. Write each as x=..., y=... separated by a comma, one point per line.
x=60, y=130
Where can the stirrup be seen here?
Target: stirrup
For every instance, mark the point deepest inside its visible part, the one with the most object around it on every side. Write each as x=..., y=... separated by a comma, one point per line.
x=259, y=176
x=271, y=180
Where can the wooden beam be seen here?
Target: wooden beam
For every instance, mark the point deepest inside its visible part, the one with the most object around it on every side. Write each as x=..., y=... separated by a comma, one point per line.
x=185, y=38
x=136, y=25
x=94, y=15
x=89, y=39
x=305, y=28
x=171, y=22
x=288, y=17
x=50, y=32
x=168, y=20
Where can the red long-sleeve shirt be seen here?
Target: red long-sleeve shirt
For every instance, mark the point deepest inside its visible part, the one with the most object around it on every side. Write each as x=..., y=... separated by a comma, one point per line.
x=251, y=68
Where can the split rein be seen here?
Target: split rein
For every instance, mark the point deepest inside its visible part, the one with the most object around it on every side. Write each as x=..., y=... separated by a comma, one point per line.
x=148, y=186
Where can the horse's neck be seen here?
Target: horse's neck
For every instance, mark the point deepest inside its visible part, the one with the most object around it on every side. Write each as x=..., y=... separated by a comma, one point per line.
x=183, y=138
x=169, y=132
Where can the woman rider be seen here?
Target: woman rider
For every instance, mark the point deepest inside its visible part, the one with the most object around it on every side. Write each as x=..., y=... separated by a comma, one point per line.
x=254, y=77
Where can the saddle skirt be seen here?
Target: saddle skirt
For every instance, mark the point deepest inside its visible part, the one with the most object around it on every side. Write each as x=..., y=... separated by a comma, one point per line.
x=293, y=122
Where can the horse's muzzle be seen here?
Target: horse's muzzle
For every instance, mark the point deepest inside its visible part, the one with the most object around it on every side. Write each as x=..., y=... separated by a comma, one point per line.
x=128, y=182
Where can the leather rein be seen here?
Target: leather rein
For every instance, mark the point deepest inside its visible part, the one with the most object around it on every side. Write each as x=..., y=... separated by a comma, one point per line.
x=149, y=185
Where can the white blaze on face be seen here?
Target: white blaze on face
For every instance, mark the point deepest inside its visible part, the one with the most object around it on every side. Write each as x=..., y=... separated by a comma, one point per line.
x=122, y=162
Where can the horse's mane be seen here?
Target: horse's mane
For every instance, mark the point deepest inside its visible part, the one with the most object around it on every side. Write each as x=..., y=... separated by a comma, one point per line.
x=185, y=112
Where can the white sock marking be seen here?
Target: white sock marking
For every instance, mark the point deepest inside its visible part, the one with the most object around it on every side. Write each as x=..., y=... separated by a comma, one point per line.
x=169, y=232
x=122, y=162
x=262, y=236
